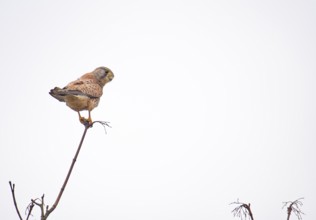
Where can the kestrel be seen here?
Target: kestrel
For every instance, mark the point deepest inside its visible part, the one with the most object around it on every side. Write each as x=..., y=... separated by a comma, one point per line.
x=85, y=92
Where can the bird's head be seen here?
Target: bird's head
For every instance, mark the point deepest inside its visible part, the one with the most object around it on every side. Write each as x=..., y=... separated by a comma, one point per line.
x=103, y=74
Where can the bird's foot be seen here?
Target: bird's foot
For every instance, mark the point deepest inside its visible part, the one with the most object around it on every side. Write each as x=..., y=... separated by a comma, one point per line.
x=86, y=122
x=90, y=121
x=82, y=119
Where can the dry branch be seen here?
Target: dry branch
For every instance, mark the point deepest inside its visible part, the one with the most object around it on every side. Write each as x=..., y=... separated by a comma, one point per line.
x=243, y=210
x=294, y=207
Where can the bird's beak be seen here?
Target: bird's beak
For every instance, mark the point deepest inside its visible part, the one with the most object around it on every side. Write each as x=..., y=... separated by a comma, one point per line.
x=111, y=76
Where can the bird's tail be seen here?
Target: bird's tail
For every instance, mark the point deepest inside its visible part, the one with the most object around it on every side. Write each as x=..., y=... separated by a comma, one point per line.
x=58, y=94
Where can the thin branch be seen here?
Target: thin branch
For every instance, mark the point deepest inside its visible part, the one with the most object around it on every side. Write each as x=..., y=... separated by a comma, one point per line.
x=68, y=174
x=12, y=186
x=29, y=210
x=36, y=203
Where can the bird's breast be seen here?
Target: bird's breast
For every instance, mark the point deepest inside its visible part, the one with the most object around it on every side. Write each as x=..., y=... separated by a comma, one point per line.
x=79, y=102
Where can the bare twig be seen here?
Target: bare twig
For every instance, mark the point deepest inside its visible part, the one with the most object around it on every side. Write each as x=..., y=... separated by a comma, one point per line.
x=242, y=210
x=12, y=186
x=103, y=123
x=294, y=207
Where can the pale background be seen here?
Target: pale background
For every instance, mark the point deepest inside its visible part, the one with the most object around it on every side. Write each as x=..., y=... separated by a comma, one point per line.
x=211, y=101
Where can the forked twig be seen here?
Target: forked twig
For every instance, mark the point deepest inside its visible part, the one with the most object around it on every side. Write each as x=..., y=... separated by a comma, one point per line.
x=12, y=186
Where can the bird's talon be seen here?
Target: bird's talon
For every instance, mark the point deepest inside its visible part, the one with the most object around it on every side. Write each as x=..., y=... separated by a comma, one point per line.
x=90, y=122
x=82, y=120
x=86, y=122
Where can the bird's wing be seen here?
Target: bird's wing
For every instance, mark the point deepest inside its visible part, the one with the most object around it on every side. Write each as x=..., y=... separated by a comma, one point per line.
x=63, y=92
x=87, y=87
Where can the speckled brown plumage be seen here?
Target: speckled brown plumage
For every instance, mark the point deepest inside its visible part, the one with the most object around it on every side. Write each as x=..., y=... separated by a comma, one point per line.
x=85, y=92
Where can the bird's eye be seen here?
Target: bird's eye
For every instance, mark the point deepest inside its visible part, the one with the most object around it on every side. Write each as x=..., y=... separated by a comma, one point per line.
x=104, y=74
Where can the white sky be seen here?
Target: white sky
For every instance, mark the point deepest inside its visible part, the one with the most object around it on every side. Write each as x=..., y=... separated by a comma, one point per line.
x=211, y=101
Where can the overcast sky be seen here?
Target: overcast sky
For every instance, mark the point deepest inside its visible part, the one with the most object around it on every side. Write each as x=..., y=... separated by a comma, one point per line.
x=211, y=101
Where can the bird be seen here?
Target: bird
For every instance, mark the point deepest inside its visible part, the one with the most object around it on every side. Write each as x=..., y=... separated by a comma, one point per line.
x=85, y=92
